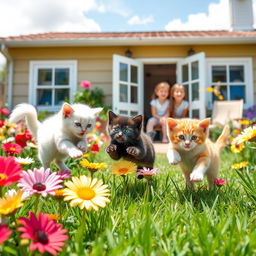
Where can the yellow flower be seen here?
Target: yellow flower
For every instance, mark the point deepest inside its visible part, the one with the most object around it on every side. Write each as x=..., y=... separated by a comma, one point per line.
x=86, y=155
x=209, y=89
x=93, y=166
x=220, y=97
x=123, y=168
x=248, y=134
x=86, y=193
x=245, y=122
x=53, y=216
x=236, y=147
x=58, y=193
x=240, y=165
x=10, y=202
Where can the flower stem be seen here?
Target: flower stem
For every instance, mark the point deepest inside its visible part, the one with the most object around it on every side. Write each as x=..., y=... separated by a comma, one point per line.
x=37, y=196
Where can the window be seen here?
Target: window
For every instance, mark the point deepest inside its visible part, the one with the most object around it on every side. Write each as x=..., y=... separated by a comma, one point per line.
x=51, y=83
x=233, y=79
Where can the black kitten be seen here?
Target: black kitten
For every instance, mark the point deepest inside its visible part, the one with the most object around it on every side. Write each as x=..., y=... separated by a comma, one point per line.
x=129, y=141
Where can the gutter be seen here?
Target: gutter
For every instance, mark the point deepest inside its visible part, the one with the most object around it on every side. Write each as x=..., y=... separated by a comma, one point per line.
x=9, y=58
x=124, y=41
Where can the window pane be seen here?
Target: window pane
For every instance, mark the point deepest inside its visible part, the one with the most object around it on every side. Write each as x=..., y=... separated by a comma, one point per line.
x=195, y=91
x=134, y=113
x=219, y=74
x=134, y=94
x=195, y=113
x=195, y=70
x=186, y=91
x=61, y=95
x=123, y=93
x=123, y=72
x=222, y=94
x=237, y=92
x=61, y=76
x=236, y=73
x=184, y=73
x=44, y=76
x=134, y=74
x=44, y=97
x=123, y=112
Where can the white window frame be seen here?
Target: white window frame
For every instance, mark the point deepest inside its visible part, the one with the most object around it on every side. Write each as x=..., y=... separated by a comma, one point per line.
x=248, y=75
x=33, y=68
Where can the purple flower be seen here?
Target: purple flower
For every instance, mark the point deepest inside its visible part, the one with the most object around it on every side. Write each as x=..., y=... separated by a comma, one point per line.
x=250, y=113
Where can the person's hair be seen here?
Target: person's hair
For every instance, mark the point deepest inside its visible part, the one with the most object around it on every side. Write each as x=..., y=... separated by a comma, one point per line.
x=172, y=100
x=161, y=85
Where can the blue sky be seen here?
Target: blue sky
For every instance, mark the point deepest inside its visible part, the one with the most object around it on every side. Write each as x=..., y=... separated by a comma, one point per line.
x=161, y=12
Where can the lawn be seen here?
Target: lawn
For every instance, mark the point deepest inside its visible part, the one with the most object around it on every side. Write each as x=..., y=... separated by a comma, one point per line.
x=160, y=217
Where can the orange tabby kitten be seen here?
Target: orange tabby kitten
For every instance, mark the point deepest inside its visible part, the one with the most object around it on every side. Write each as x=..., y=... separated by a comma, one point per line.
x=191, y=148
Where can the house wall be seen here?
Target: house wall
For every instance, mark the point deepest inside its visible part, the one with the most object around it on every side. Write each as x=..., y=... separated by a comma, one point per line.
x=95, y=63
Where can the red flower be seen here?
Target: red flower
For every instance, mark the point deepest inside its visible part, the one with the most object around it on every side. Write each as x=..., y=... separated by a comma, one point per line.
x=12, y=148
x=1, y=123
x=95, y=148
x=46, y=235
x=22, y=138
x=5, y=111
x=85, y=84
x=10, y=171
x=4, y=233
x=220, y=182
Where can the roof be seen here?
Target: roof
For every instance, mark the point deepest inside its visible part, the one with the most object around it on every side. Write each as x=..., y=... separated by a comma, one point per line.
x=131, y=38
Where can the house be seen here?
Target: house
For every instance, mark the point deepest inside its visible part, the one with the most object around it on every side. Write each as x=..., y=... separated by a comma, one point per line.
x=44, y=69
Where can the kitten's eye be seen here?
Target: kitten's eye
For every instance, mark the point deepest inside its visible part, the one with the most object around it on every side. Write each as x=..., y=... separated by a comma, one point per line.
x=181, y=137
x=78, y=124
x=89, y=125
x=194, y=137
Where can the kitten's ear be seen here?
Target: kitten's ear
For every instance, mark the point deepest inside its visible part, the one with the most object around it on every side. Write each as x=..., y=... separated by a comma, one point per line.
x=97, y=111
x=111, y=116
x=204, y=124
x=138, y=120
x=171, y=123
x=67, y=110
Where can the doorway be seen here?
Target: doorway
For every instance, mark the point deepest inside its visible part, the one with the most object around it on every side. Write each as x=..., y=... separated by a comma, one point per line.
x=154, y=74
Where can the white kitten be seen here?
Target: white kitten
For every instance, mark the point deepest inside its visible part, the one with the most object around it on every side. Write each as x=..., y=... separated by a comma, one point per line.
x=62, y=135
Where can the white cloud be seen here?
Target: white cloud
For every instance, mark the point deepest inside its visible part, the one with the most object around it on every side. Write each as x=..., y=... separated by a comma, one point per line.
x=136, y=20
x=216, y=18
x=29, y=16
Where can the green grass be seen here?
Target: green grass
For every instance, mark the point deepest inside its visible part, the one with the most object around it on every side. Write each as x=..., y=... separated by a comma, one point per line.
x=162, y=218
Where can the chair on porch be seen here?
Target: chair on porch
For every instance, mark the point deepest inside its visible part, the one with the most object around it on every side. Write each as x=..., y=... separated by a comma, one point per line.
x=227, y=111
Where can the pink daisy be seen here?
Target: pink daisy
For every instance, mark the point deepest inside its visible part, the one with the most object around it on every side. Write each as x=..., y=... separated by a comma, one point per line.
x=4, y=233
x=220, y=182
x=64, y=174
x=40, y=181
x=12, y=148
x=47, y=236
x=10, y=171
x=146, y=172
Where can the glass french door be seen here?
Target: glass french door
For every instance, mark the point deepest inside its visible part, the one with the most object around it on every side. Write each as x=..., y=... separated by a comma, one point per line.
x=127, y=86
x=191, y=74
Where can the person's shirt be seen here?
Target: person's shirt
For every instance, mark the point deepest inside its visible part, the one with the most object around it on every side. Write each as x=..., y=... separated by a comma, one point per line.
x=179, y=110
x=160, y=108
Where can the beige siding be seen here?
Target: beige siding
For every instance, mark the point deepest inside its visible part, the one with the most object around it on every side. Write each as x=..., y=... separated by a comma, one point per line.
x=95, y=63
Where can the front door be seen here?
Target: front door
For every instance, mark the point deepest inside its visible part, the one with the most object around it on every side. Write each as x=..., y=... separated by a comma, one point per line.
x=191, y=73
x=127, y=86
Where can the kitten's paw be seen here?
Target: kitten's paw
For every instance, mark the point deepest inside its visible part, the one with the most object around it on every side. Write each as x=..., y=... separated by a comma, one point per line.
x=133, y=151
x=75, y=153
x=173, y=157
x=196, y=176
x=111, y=148
x=82, y=146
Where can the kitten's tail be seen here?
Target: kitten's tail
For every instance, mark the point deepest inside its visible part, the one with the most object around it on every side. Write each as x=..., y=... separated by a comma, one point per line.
x=222, y=140
x=27, y=112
